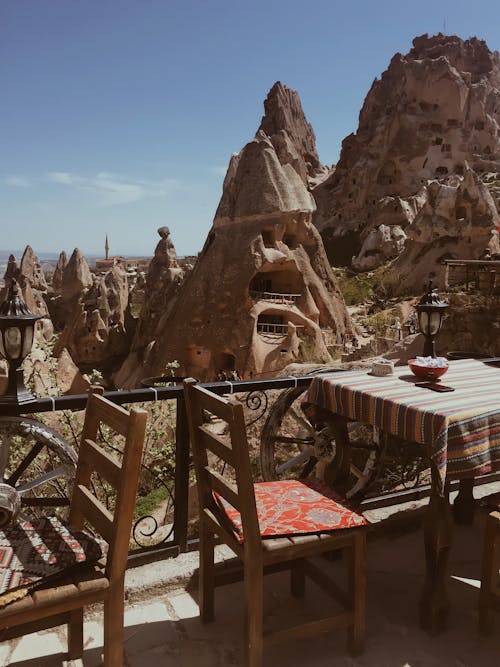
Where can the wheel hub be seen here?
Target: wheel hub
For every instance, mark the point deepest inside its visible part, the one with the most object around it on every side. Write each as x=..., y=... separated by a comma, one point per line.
x=10, y=504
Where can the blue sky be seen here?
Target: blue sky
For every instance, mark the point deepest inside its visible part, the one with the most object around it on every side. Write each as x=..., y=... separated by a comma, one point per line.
x=120, y=116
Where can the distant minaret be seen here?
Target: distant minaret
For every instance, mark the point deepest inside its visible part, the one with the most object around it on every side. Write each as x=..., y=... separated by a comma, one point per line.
x=106, y=247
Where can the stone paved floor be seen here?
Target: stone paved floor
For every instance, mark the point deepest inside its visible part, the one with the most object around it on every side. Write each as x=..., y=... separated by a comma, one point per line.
x=163, y=630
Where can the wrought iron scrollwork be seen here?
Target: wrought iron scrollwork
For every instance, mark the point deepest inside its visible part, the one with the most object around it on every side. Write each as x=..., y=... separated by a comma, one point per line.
x=145, y=537
x=256, y=401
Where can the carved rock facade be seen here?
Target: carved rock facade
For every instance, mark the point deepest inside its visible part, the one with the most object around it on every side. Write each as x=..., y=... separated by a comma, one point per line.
x=262, y=293
x=418, y=179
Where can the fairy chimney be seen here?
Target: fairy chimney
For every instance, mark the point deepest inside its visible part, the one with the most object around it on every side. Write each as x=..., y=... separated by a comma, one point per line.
x=262, y=293
x=162, y=288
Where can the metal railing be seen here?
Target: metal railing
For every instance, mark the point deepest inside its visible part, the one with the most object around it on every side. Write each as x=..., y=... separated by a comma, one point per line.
x=276, y=297
x=178, y=536
x=473, y=274
x=278, y=329
x=254, y=389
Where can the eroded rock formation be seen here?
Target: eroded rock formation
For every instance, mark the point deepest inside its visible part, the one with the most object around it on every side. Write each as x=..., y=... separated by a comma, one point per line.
x=262, y=293
x=94, y=311
x=29, y=276
x=76, y=277
x=161, y=289
x=419, y=178
x=57, y=276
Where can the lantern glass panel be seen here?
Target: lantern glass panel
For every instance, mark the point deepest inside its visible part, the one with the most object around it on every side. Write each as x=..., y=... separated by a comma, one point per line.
x=13, y=342
x=28, y=341
x=423, y=322
x=434, y=323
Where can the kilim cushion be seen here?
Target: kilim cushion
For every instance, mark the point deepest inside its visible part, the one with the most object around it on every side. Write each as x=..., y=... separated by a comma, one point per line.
x=40, y=548
x=288, y=507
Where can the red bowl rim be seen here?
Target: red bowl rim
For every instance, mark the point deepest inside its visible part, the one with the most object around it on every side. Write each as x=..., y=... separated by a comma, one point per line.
x=411, y=362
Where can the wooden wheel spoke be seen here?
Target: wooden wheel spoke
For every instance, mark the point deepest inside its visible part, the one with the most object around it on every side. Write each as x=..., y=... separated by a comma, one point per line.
x=60, y=471
x=356, y=471
x=294, y=441
x=29, y=458
x=45, y=502
x=301, y=420
x=4, y=453
x=309, y=467
x=36, y=461
x=295, y=461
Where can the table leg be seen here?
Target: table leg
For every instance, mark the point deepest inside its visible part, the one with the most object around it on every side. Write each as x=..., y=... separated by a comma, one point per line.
x=337, y=471
x=464, y=507
x=438, y=526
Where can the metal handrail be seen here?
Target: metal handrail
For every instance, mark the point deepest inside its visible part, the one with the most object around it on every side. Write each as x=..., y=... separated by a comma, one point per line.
x=269, y=327
x=274, y=296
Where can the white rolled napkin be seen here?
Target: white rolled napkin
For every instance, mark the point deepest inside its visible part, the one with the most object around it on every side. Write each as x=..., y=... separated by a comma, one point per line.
x=431, y=362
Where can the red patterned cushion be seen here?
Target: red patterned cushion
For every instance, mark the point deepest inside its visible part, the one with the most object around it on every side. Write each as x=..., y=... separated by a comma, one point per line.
x=36, y=549
x=288, y=507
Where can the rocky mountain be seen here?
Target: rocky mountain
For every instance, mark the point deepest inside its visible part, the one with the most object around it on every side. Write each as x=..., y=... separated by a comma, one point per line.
x=419, y=179
x=262, y=293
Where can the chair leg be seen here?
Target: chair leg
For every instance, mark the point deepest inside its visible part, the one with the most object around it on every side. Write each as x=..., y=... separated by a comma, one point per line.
x=206, y=583
x=75, y=634
x=357, y=593
x=114, y=636
x=298, y=578
x=487, y=576
x=254, y=601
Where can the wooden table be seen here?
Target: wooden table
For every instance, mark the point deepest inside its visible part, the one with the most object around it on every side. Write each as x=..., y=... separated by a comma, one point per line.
x=460, y=429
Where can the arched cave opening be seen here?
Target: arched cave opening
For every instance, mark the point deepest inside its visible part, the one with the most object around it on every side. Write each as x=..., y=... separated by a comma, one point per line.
x=226, y=361
x=282, y=282
x=341, y=249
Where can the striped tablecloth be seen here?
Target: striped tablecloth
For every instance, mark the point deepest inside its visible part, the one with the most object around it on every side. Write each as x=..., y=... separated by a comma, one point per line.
x=460, y=428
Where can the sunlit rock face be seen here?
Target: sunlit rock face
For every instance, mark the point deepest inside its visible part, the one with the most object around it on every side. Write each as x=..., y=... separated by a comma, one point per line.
x=161, y=290
x=424, y=162
x=29, y=276
x=57, y=276
x=76, y=277
x=262, y=293
x=94, y=311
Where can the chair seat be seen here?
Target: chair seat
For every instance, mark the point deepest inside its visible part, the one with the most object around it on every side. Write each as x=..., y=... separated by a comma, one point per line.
x=86, y=586
x=295, y=507
x=34, y=552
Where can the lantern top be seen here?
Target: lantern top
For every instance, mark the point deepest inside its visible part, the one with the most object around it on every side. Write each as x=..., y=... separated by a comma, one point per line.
x=15, y=308
x=432, y=298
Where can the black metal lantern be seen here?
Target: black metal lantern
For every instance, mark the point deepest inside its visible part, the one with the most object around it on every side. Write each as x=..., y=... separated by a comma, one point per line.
x=17, y=326
x=430, y=310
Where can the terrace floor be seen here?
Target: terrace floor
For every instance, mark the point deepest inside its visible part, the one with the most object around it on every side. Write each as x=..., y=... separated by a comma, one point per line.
x=163, y=629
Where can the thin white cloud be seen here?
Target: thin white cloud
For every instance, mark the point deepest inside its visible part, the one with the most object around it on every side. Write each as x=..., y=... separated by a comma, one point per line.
x=113, y=188
x=62, y=177
x=219, y=171
x=17, y=182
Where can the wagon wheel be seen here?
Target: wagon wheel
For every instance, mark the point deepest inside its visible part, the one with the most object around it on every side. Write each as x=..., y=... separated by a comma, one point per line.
x=37, y=466
x=292, y=447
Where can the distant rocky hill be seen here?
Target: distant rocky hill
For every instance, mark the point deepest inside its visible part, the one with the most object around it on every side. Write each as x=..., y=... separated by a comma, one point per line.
x=419, y=179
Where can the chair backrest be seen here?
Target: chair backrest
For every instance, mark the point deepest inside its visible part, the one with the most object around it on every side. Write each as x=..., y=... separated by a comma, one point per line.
x=122, y=475
x=232, y=450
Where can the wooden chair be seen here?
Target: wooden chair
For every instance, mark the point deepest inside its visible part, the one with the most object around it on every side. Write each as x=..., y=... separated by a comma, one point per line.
x=489, y=595
x=64, y=602
x=261, y=554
